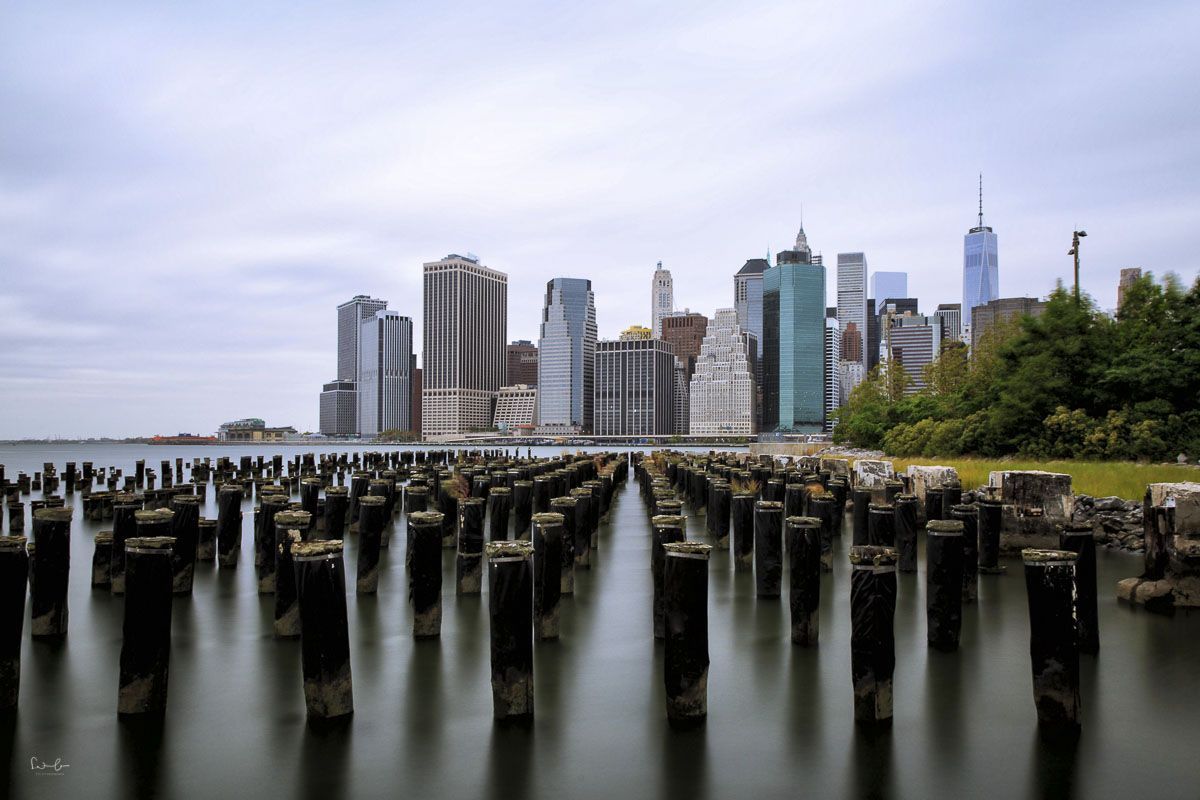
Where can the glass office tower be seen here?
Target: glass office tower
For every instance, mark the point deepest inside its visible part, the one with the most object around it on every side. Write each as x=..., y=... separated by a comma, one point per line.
x=794, y=344
x=566, y=355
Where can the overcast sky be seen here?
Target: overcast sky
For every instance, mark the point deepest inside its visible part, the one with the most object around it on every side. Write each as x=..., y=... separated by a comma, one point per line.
x=187, y=190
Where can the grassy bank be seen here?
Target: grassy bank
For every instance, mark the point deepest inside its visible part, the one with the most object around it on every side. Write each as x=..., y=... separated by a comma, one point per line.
x=1098, y=478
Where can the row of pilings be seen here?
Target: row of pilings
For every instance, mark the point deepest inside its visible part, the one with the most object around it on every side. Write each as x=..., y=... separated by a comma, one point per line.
x=776, y=517
x=783, y=516
x=534, y=522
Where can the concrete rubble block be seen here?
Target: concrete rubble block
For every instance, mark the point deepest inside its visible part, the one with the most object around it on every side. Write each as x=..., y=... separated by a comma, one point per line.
x=1034, y=503
x=924, y=477
x=836, y=466
x=1186, y=497
x=871, y=473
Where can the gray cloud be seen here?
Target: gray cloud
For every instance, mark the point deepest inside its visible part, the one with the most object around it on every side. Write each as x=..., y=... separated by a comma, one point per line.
x=186, y=193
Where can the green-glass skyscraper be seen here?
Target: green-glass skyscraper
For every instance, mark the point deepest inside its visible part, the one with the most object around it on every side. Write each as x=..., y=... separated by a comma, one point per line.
x=794, y=341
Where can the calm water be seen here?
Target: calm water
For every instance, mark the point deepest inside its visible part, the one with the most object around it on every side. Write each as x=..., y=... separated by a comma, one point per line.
x=780, y=717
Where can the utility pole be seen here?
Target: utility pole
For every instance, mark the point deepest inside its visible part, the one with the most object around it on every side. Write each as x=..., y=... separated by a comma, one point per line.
x=1074, y=251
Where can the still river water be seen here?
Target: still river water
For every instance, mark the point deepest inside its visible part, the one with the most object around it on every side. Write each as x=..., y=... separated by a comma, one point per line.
x=780, y=717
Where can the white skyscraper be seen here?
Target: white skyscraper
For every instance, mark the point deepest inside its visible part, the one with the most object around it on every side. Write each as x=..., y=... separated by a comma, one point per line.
x=662, y=298
x=852, y=301
x=385, y=363
x=833, y=361
x=466, y=327
x=722, y=392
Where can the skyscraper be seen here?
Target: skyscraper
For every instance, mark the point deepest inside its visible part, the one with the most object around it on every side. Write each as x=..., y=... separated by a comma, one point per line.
x=833, y=359
x=662, y=298
x=350, y=317
x=852, y=290
x=721, y=395
x=914, y=341
x=463, y=360
x=885, y=285
x=684, y=331
x=385, y=361
x=635, y=386
x=1129, y=276
x=950, y=315
x=522, y=358
x=794, y=341
x=981, y=266
x=567, y=355
x=339, y=409
x=339, y=399
x=747, y=295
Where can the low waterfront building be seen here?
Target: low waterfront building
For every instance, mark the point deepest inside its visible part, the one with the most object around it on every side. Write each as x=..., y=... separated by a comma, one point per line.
x=253, y=429
x=516, y=408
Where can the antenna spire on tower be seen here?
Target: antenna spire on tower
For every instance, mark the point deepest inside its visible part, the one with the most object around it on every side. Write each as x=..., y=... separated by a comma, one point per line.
x=981, y=199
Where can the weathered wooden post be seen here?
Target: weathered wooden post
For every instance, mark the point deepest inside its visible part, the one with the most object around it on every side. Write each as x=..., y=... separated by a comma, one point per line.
x=468, y=561
x=206, y=540
x=861, y=499
x=685, y=660
x=970, y=520
x=542, y=485
x=742, y=513
x=566, y=576
x=990, y=520
x=768, y=548
x=933, y=503
x=665, y=529
x=289, y=527
x=1053, y=639
x=337, y=505
x=372, y=516
x=229, y=524
x=522, y=508
x=584, y=514
x=124, y=528
x=320, y=576
x=185, y=530
x=425, y=573
x=820, y=507
x=510, y=606
x=14, y=572
x=1079, y=540
x=16, y=516
x=881, y=525
x=804, y=593
x=499, y=503
x=146, y=646
x=943, y=582
x=872, y=636
x=102, y=560
x=905, y=527
x=547, y=564
x=265, y=541
x=720, y=497
x=50, y=565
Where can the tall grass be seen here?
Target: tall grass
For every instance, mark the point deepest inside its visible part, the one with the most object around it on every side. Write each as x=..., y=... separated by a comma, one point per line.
x=1098, y=478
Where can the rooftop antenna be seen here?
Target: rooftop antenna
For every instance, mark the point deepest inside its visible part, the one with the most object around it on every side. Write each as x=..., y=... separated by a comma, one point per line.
x=981, y=199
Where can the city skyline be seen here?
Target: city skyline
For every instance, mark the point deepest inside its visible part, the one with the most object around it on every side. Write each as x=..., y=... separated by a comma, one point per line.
x=219, y=183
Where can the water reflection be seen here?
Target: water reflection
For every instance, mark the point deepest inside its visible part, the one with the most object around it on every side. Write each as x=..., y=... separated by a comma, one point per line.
x=1054, y=756
x=140, y=742
x=510, y=761
x=871, y=762
x=325, y=759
